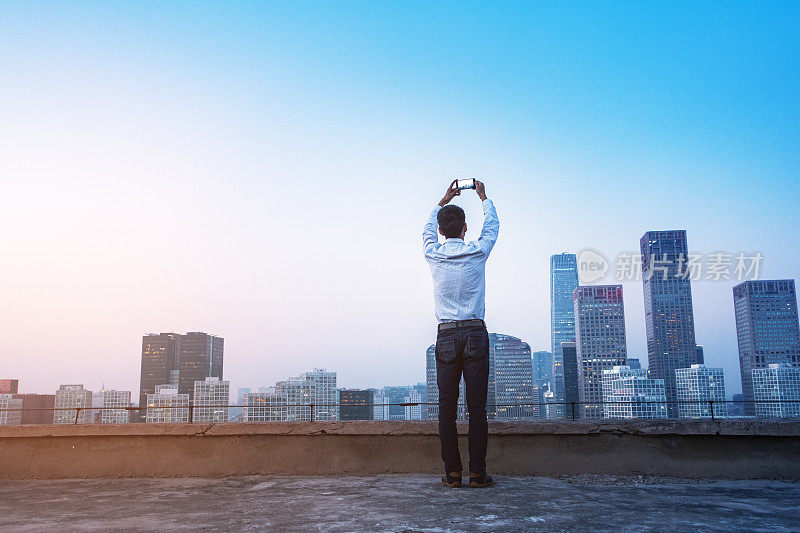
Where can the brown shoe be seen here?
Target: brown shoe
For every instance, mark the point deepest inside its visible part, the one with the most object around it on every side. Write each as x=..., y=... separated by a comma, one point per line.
x=452, y=479
x=480, y=481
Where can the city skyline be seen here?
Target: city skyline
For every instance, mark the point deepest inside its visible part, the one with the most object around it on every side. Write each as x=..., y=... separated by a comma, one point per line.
x=767, y=321
x=162, y=352
x=173, y=176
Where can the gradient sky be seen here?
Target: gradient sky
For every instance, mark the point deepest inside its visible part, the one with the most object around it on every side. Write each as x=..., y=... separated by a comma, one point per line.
x=262, y=171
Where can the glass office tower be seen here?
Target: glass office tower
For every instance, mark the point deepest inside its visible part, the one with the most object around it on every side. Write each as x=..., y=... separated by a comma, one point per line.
x=669, y=317
x=200, y=358
x=175, y=359
x=766, y=328
x=563, y=282
x=511, y=378
x=601, y=343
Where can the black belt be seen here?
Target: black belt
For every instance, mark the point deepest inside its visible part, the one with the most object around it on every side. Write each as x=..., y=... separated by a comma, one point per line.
x=462, y=324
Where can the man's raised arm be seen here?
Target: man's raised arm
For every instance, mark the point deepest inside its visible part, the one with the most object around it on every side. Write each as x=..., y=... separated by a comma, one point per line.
x=430, y=235
x=491, y=224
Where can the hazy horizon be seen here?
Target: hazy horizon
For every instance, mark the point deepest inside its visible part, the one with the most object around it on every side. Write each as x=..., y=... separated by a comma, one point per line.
x=263, y=172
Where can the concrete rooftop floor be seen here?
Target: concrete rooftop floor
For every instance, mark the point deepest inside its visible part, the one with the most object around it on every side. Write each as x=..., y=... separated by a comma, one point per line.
x=399, y=503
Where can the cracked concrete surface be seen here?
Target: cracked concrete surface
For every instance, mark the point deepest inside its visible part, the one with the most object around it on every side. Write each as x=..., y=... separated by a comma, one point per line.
x=399, y=503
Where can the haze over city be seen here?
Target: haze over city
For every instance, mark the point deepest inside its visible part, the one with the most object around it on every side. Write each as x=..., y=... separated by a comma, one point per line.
x=263, y=172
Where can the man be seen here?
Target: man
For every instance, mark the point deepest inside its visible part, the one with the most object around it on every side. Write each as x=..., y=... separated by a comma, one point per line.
x=462, y=343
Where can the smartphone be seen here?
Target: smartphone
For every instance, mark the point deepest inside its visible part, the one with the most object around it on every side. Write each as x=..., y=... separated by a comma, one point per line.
x=468, y=183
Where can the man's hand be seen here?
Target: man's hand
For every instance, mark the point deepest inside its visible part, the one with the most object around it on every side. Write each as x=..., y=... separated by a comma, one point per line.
x=480, y=189
x=451, y=193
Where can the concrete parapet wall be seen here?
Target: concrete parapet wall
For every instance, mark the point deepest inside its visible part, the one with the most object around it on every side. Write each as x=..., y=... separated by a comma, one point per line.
x=737, y=449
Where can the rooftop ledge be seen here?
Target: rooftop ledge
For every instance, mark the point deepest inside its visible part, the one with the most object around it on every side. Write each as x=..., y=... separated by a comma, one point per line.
x=727, y=448
x=641, y=427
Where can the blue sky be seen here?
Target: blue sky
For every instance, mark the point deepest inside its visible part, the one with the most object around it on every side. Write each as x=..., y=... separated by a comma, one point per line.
x=263, y=171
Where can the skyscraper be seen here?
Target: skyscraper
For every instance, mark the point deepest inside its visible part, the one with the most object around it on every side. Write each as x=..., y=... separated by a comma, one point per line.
x=777, y=390
x=669, y=318
x=200, y=358
x=569, y=352
x=766, y=328
x=72, y=403
x=430, y=382
x=629, y=393
x=542, y=367
x=172, y=358
x=160, y=354
x=601, y=344
x=698, y=388
x=511, y=377
x=542, y=380
x=563, y=282
x=355, y=404
x=211, y=397
x=634, y=363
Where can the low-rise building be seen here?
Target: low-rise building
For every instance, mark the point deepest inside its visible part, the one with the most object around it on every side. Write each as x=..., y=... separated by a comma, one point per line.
x=355, y=404
x=10, y=410
x=37, y=408
x=73, y=404
x=699, y=388
x=211, y=398
x=166, y=405
x=777, y=390
x=413, y=412
x=629, y=393
x=266, y=405
x=115, y=407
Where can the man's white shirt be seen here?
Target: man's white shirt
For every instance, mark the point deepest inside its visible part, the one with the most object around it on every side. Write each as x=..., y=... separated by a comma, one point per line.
x=459, y=268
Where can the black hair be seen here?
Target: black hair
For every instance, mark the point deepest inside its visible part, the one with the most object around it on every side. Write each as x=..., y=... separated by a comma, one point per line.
x=451, y=221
